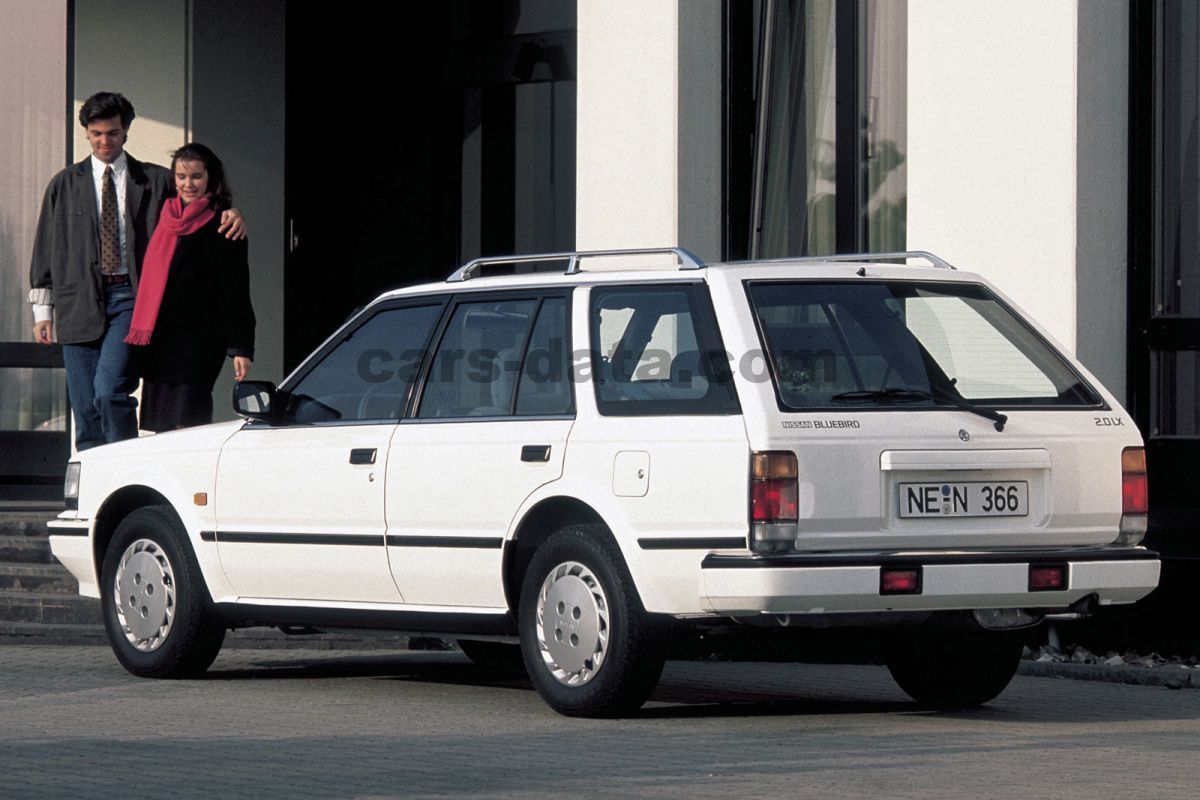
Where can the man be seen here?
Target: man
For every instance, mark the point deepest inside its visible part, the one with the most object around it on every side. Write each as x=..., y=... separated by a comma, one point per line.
x=96, y=220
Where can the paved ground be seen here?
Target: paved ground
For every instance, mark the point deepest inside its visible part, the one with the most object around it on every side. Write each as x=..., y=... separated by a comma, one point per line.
x=320, y=724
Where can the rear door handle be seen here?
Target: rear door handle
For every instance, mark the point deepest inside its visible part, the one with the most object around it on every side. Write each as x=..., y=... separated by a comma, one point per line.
x=362, y=455
x=535, y=452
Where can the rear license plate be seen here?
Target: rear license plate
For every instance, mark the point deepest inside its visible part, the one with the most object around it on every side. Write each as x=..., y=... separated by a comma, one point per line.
x=965, y=499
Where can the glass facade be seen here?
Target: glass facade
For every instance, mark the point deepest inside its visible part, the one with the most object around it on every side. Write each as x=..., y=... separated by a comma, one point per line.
x=831, y=128
x=1174, y=317
x=33, y=401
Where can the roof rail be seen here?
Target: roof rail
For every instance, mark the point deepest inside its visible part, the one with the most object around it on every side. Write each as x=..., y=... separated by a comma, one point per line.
x=930, y=257
x=687, y=260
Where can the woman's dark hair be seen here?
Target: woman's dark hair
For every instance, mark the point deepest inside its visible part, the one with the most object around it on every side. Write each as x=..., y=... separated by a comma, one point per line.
x=103, y=105
x=218, y=187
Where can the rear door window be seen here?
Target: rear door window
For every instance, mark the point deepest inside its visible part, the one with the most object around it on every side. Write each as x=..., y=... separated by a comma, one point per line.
x=656, y=350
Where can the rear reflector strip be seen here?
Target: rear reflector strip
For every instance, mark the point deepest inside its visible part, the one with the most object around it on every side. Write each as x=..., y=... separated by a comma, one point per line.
x=1044, y=578
x=900, y=580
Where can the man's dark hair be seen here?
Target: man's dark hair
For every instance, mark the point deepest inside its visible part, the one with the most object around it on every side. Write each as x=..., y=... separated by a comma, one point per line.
x=217, y=186
x=103, y=105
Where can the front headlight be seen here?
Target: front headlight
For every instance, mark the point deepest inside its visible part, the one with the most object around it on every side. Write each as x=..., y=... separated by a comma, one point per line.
x=71, y=485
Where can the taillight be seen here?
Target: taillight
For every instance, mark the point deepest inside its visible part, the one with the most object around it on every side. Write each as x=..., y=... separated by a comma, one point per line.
x=1135, y=496
x=773, y=501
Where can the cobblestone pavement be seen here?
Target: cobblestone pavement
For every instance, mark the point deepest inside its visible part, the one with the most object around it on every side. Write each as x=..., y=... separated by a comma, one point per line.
x=303, y=724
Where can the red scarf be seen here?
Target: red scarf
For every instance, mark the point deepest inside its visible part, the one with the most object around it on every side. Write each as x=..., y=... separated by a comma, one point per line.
x=174, y=221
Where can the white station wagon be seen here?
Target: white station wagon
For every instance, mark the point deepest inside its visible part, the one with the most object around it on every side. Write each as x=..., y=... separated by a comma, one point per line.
x=590, y=470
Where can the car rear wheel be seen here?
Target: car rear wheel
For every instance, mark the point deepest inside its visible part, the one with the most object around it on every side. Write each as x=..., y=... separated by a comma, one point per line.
x=157, y=611
x=949, y=669
x=588, y=644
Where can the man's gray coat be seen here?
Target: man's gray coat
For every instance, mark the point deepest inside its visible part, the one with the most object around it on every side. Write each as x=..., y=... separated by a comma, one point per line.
x=66, y=252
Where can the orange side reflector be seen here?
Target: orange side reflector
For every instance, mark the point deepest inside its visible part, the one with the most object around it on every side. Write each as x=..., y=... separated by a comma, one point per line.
x=200, y=498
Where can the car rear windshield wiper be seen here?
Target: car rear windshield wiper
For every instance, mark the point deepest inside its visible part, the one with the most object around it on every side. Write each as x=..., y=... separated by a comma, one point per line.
x=893, y=394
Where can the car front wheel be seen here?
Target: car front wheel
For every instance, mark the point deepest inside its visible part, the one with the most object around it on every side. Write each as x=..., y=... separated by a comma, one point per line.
x=156, y=607
x=588, y=645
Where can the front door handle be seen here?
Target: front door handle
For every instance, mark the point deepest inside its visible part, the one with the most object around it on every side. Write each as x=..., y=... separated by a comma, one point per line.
x=362, y=455
x=535, y=453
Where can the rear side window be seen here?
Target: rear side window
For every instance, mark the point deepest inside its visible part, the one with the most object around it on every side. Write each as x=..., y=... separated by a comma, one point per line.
x=869, y=343
x=656, y=350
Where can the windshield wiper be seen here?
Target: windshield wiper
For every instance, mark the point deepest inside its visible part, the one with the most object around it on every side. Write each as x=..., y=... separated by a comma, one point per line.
x=893, y=394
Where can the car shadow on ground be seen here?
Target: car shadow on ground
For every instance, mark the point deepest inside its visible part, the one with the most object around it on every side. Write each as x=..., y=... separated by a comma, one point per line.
x=721, y=690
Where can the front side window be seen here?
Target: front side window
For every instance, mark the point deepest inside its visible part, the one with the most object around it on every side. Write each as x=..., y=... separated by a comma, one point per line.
x=655, y=350
x=475, y=369
x=839, y=345
x=370, y=373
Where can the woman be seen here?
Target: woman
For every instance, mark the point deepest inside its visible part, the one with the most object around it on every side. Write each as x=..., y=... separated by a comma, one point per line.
x=193, y=302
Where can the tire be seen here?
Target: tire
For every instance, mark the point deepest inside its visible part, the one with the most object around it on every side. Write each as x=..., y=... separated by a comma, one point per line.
x=951, y=669
x=588, y=645
x=157, y=610
x=499, y=657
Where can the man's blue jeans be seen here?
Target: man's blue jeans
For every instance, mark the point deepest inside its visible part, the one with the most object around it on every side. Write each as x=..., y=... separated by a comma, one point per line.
x=100, y=378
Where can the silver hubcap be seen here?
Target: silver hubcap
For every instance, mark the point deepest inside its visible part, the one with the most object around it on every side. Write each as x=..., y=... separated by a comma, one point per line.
x=144, y=594
x=572, y=623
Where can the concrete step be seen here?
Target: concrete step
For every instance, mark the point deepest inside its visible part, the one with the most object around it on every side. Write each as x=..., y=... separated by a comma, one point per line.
x=48, y=608
x=25, y=523
x=43, y=633
x=25, y=550
x=51, y=578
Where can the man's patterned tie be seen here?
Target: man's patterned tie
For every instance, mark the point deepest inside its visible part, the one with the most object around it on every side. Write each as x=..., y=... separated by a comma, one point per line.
x=110, y=239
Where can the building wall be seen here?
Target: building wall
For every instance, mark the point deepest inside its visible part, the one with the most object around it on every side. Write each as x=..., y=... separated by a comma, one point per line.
x=1102, y=191
x=138, y=48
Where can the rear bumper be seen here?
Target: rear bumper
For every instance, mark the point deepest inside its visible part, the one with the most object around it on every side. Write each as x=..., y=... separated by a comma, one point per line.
x=850, y=582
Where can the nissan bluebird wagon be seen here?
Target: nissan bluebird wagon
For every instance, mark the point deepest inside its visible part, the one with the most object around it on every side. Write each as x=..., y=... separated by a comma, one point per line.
x=583, y=464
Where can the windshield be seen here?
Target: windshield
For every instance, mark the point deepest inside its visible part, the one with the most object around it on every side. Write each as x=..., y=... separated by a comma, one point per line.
x=878, y=344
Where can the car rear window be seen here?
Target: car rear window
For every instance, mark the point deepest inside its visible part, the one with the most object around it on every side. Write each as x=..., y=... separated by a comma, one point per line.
x=868, y=343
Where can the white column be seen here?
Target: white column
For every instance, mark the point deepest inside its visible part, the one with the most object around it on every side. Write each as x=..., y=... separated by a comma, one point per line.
x=627, y=127
x=992, y=129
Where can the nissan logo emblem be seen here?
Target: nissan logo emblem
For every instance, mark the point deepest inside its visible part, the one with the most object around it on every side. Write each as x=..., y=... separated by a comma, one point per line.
x=962, y=434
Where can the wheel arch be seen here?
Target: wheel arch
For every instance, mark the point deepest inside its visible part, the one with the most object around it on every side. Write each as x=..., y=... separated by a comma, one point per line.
x=119, y=505
x=538, y=523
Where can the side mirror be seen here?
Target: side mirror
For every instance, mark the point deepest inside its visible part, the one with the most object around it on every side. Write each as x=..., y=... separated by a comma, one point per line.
x=256, y=400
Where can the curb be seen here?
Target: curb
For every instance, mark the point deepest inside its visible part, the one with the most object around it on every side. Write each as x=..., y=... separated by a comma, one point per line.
x=1170, y=677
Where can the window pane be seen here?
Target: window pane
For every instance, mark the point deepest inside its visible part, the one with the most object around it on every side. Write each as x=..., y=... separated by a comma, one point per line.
x=949, y=342
x=657, y=352
x=545, y=386
x=33, y=400
x=370, y=373
x=475, y=368
x=886, y=110
x=799, y=145
x=1174, y=376
x=1177, y=284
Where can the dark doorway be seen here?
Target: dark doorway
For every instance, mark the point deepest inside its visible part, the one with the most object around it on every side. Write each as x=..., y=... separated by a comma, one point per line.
x=418, y=138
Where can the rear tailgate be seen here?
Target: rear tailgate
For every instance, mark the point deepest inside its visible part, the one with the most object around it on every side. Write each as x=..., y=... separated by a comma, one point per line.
x=944, y=479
